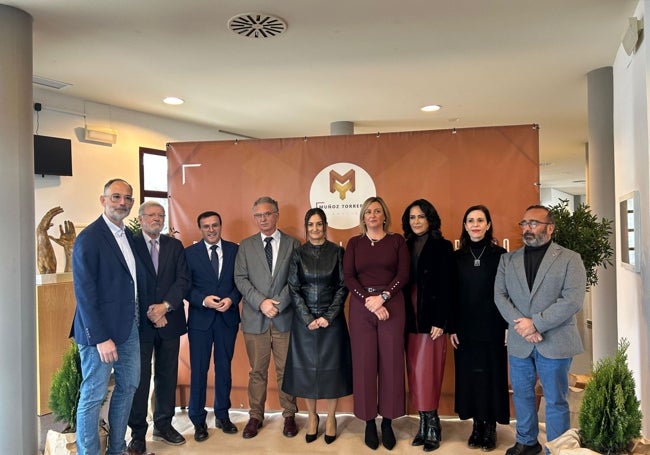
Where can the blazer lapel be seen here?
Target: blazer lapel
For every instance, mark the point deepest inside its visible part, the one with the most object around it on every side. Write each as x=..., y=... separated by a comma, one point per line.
x=520, y=271
x=163, y=253
x=283, y=252
x=115, y=248
x=259, y=250
x=143, y=250
x=204, y=259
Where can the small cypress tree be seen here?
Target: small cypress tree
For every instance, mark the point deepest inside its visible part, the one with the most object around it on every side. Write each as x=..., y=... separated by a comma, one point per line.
x=65, y=388
x=610, y=417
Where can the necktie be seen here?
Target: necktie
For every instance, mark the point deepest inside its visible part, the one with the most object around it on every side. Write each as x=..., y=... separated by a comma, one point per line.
x=268, y=251
x=154, y=254
x=214, y=260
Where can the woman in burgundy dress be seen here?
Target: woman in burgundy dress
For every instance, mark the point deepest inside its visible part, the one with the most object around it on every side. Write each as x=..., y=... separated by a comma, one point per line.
x=376, y=268
x=429, y=297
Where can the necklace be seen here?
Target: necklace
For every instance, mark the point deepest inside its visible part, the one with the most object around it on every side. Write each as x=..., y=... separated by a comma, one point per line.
x=477, y=260
x=373, y=241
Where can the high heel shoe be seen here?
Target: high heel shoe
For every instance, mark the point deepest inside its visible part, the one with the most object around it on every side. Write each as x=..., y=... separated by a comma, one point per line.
x=312, y=437
x=331, y=438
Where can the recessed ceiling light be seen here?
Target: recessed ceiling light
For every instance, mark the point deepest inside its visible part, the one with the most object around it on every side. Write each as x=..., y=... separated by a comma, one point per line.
x=173, y=100
x=431, y=108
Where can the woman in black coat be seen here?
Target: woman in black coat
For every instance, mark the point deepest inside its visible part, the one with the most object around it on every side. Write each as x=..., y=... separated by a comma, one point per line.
x=429, y=296
x=319, y=361
x=478, y=332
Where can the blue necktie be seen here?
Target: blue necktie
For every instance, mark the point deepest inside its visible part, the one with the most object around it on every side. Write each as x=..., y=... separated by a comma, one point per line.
x=268, y=251
x=214, y=260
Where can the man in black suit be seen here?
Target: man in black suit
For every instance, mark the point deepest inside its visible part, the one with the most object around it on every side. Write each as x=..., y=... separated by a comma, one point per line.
x=162, y=322
x=213, y=322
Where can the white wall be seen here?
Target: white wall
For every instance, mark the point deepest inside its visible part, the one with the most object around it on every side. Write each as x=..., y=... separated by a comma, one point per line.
x=553, y=196
x=631, y=129
x=95, y=164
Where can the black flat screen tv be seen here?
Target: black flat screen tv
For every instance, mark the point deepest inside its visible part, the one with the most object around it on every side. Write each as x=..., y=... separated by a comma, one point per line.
x=52, y=156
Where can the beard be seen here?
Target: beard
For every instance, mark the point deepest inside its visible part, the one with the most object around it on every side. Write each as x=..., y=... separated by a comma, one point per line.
x=534, y=240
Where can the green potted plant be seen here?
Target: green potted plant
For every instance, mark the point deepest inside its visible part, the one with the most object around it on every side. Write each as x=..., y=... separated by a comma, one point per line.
x=65, y=389
x=581, y=232
x=63, y=401
x=610, y=417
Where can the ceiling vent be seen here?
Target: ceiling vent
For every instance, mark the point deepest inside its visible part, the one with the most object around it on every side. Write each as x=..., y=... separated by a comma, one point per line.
x=257, y=25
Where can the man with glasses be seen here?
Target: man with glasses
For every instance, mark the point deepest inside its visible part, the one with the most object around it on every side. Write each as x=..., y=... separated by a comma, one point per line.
x=108, y=279
x=538, y=290
x=261, y=273
x=162, y=322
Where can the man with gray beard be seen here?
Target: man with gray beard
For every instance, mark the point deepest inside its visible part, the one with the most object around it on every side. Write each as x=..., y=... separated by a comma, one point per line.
x=538, y=290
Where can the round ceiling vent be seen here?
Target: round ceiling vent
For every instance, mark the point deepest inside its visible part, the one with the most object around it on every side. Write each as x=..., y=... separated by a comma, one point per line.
x=257, y=25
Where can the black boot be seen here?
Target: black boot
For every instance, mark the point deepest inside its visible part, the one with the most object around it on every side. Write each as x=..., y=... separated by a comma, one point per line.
x=476, y=437
x=371, y=437
x=418, y=440
x=433, y=434
x=489, y=441
x=387, y=434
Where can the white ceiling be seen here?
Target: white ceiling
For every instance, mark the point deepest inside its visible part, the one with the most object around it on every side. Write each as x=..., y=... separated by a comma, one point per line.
x=373, y=62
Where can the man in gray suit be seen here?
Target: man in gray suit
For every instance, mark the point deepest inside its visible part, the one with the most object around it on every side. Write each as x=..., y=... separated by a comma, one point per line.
x=538, y=289
x=261, y=272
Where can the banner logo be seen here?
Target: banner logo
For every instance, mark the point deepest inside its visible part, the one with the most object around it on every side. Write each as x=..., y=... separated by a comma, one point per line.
x=342, y=183
x=340, y=190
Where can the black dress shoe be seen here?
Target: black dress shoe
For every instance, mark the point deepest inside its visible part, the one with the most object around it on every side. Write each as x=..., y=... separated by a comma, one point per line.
x=201, y=432
x=523, y=449
x=226, y=425
x=290, y=428
x=250, y=430
x=168, y=435
x=137, y=447
x=133, y=452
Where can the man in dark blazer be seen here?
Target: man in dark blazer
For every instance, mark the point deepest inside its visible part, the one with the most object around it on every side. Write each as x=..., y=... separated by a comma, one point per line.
x=107, y=277
x=213, y=322
x=538, y=290
x=261, y=273
x=162, y=322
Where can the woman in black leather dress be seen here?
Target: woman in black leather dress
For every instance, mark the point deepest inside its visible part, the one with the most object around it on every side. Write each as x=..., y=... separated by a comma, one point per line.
x=319, y=362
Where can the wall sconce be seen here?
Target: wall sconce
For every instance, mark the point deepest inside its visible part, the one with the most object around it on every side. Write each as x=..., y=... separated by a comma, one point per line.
x=101, y=135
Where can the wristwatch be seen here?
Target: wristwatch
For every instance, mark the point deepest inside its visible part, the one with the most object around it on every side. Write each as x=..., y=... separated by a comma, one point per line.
x=168, y=306
x=385, y=295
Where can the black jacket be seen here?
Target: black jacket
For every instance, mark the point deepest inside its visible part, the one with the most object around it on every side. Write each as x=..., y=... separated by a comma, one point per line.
x=435, y=278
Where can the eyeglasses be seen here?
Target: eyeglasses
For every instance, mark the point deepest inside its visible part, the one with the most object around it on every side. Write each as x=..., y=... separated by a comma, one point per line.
x=531, y=224
x=259, y=216
x=117, y=197
x=154, y=215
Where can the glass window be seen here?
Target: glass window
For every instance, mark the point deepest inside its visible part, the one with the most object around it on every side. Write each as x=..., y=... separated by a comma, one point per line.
x=153, y=179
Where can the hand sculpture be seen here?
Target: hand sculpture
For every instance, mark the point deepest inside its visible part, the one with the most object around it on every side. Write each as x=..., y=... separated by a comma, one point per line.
x=46, y=259
x=66, y=240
